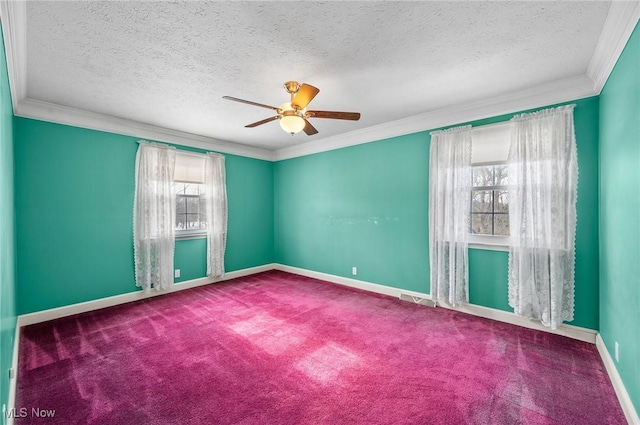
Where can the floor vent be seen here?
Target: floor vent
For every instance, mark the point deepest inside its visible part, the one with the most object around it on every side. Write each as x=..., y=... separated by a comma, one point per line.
x=417, y=300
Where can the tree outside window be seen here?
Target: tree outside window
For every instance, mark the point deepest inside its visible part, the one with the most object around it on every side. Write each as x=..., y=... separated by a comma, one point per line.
x=190, y=207
x=490, y=200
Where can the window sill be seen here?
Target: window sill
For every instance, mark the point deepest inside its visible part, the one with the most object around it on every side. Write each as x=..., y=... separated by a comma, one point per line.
x=192, y=235
x=488, y=247
x=488, y=242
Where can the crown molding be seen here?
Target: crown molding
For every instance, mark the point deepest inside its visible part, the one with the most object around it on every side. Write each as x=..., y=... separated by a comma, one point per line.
x=558, y=91
x=45, y=111
x=14, y=31
x=621, y=20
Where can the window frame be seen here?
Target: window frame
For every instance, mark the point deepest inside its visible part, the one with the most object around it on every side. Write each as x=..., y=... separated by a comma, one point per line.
x=490, y=188
x=189, y=233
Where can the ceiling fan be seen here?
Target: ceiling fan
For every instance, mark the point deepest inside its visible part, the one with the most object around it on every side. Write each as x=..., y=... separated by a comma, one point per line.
x=293, y=115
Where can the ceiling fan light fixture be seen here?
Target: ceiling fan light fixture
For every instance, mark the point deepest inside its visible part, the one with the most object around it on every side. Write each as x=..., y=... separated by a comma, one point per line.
x=292, y=124
x=291, y=121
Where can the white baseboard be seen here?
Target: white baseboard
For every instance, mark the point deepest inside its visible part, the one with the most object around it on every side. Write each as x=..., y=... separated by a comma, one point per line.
x=623, y=396
x=575, y=332
x=570, y=331
x=248, y=272
x=353, y=283
x=69, y=310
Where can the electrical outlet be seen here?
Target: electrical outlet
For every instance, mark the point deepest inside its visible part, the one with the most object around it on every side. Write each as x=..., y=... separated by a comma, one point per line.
x=617, y=352
x=354, y=271
x=176, y=273
x=12, y=373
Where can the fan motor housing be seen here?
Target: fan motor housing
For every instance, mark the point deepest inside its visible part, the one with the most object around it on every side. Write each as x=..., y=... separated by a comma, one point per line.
x=292, y=87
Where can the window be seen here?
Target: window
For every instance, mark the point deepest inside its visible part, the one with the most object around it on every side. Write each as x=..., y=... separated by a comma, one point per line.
x=189, y=187
x=189, y=207
x=489, y=185
x=490, y=200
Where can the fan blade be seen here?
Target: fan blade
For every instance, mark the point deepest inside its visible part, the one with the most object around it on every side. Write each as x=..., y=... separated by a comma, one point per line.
x=255, y=124
x=309, y=129
x=305, y=94
x=248, y=102
x=336, y=115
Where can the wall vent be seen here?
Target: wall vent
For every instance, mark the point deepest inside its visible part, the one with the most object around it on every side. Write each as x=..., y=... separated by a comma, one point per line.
x=417, y=300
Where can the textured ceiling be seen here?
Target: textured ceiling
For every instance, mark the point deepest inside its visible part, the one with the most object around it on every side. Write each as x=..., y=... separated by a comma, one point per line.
x=169, y=63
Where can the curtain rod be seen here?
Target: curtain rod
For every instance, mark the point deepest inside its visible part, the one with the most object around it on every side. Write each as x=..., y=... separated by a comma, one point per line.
x=508, y=121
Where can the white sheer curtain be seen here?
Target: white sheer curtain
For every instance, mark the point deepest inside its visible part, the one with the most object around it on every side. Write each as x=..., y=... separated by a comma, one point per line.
x=216, y=213
x=154, y=216
x=543, y=173
x=449, y=214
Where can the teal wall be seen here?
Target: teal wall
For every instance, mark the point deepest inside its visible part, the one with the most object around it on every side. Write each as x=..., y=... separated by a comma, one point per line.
x=366, y=206
x=487, y=273
x=190, y=258
x=620, y=214
x=7, y=232
x=74, y=193
x=362, y=206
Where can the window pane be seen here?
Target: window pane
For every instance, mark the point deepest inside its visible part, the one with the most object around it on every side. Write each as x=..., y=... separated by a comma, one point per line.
x=501, y=201
x=481, y=224
x=490, y=208
x=190, y=211
x=483, y=176
x=502, y=175
x=181, y=221
x=193, y=205
x=501, y=222
x=481, y=200
x=193, y=221
x=181, y=205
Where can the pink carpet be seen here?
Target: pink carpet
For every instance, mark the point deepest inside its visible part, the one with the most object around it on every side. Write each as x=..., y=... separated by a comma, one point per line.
x=277, y=348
